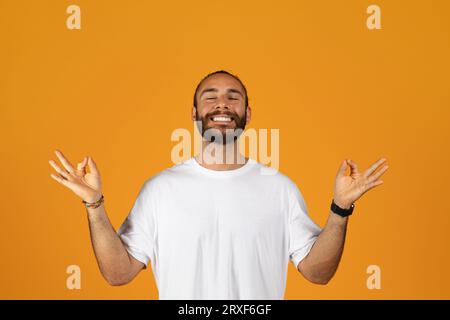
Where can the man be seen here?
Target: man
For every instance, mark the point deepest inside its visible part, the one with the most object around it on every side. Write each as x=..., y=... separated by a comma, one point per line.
x=218, y=229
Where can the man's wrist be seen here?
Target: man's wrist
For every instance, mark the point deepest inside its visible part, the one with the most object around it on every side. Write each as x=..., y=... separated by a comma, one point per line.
x=93, y=198
x=341, y=208
x=342, y=204
x=336, y=220
x=96, y=214
x=94, y=204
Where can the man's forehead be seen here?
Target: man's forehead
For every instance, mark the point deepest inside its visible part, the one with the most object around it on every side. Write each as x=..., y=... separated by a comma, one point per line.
x=221, y=81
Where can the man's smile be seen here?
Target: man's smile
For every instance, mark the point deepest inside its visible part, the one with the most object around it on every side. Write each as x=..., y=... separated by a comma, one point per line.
x=221, y=118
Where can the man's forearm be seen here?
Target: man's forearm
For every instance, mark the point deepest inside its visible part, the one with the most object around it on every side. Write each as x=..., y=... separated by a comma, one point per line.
x=112, y=257
x=323, y=259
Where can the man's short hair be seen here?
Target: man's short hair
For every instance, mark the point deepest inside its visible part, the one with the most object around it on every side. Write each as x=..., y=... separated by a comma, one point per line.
x=220, y=72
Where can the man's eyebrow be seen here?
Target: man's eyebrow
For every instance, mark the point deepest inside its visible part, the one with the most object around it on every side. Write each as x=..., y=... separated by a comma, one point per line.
x=208, y=90
x=216, y=90
x=236, y=91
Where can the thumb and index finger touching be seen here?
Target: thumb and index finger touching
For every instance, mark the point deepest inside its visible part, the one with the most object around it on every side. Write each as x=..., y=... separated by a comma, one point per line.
x=92, y=166
x=81, y=166
x=343, y=167
x=88, y=162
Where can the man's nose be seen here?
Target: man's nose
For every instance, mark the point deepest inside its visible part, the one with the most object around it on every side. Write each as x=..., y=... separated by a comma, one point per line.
x=221, y=103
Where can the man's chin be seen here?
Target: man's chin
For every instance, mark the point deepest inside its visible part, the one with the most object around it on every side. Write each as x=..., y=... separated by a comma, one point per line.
x=222, y=135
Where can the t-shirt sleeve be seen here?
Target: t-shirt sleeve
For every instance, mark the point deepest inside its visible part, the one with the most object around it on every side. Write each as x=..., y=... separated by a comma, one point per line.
x=137, y=232
x=303, y=231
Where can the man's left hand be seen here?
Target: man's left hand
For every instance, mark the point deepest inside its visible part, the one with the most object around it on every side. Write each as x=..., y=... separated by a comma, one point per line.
x=348, y=189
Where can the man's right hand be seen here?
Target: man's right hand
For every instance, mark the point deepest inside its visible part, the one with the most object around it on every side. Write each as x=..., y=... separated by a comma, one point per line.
x=116, y=265
x=86, y=185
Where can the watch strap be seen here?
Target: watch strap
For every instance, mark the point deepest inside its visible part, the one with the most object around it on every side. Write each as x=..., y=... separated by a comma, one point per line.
x=341, y=211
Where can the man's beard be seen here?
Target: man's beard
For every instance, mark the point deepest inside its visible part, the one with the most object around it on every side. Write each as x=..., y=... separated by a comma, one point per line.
x=223, y=135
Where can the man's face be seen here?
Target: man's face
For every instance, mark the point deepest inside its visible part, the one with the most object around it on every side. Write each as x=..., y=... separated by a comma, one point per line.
x=221, y=105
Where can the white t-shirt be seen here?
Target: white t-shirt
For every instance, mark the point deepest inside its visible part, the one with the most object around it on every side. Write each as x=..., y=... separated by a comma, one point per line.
x=219, y=234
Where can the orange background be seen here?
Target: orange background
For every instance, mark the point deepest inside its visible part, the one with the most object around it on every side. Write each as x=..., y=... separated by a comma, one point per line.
x=117, y=88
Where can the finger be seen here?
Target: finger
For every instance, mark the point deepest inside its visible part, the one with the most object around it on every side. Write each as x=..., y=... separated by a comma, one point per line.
x=61, y=180
x=82, y=165
x=92, y=166
x=353, y=166
x=59, y=170
x=373, y=184
x=342, y=169
x=67, y=165
x=374, y=167
x=85, y=160
x=378, y=174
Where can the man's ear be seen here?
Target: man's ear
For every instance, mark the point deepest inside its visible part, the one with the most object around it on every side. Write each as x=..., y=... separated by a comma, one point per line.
x=249, y=115
x=193, y=115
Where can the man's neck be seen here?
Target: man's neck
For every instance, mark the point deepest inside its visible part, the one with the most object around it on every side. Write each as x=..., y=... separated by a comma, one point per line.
x=230, y=159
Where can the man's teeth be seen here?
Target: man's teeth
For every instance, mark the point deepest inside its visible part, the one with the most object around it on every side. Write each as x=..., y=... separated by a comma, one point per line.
x=221, y=119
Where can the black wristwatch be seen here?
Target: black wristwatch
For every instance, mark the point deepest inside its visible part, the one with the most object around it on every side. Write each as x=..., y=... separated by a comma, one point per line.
x=340, y=211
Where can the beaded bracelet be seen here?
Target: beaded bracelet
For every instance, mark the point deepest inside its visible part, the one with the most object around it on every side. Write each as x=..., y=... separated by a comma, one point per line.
x=95, y=204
